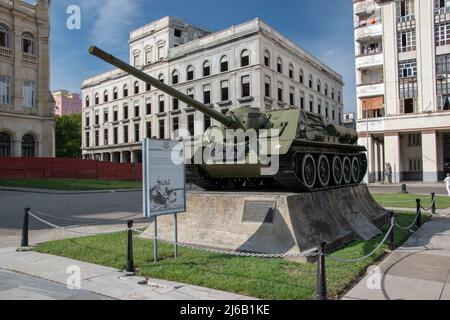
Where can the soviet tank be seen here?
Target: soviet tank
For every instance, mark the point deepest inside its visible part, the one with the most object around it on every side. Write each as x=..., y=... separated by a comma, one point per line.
x=299, y=150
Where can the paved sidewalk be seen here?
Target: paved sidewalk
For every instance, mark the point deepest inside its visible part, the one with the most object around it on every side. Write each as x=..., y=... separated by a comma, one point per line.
x=105, y=281
x=16, y=286
x=420, y=270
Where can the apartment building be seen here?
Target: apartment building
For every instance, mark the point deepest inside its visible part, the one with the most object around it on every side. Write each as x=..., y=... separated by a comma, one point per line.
x=66, y=103
x=246, y=65
x=403, y=87
x=26, y=106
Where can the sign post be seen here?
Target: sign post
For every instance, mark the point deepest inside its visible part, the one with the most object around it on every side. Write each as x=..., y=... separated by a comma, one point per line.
x=164, y=183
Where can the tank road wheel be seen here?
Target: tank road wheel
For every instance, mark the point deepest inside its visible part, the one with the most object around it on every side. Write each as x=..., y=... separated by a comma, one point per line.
x=309, y=171
x=347, y=165
x=356, y=170
x=237, y=182
x=323, y=171
x=337, y=171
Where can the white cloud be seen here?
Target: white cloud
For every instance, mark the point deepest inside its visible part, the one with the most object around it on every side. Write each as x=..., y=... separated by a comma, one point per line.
x=110, y=21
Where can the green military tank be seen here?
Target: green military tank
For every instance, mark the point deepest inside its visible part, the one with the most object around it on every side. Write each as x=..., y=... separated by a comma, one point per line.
x=291, y=147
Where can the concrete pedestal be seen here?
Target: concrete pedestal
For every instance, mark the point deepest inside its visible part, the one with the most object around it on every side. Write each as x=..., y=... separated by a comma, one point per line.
x=276, y=223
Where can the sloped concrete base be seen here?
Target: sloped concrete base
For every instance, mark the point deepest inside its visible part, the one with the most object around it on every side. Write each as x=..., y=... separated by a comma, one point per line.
x=299, y=223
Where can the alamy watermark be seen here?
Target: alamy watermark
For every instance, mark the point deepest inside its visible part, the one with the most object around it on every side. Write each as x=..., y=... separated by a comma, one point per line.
x=73, y=21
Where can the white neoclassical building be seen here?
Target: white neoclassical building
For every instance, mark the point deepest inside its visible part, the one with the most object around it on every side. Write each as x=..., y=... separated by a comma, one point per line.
x=403, y=86
x=246, y=65
x=27, y=124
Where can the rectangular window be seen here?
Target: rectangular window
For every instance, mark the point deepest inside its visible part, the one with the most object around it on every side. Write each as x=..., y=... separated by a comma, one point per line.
x=190, y=93
x=442, y=34
x=148, y=56
x=302, y=100
x=97, y=138
x=5, y=89
x=115, y=136
x=177, y=33
x=160, y=52
x=191, y=128
x=175, y=126
x=136, y=60
x=87, y=140
x=125, y=111
x=125, y=134
x=137, y=110
x=105, y=137
x=291, y=96
x=406, y=41
x=245, y=86
x=115, y=114
x=267, y=86
x=311, y=104
x=162, y=129
x=206, y=122
x=148, y=106
x=175, y=104
x=28, y=93
x=87, y=120
x=319, y=107
x=149, y=129
x=162, y=107
x=207, y=94
x=137, y=137
x=405, y=10
x=280, y=91
x=408, y=69
x=105, y=116
x=224, y=91
x=97, y=118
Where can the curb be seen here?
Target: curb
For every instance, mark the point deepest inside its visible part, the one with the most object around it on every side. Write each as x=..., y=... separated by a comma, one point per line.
x=46, y=191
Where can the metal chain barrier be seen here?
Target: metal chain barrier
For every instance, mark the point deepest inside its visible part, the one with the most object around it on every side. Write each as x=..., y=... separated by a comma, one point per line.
x=370, y=254
x=408, y=228
x=433, y=202
x=312, y=253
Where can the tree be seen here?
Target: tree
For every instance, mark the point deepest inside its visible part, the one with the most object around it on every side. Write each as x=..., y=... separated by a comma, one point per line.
x=68, y=136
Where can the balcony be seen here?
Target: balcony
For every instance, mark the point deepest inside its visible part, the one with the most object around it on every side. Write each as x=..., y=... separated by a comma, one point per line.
x=29, y=57
x=364, y=7
x=370, y=89
x=368, y=32
x=370, y=60
x=4, y=51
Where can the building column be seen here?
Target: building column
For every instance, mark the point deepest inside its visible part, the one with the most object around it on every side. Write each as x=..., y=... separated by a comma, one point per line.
x=429, y=156
x=16, y=148
x=368, y=143
x=392, y=154
x=133, y=156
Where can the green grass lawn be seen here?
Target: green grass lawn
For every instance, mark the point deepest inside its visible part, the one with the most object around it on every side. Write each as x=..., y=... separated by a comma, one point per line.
x=71, y=184
x=277, y=279
x=399, y=200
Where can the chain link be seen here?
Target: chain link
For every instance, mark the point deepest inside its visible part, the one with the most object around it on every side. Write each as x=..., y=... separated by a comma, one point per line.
x=370, y=254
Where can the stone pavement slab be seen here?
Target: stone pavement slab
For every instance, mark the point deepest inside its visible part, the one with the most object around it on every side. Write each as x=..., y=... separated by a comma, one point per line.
x=419, y=270
x=102, y=280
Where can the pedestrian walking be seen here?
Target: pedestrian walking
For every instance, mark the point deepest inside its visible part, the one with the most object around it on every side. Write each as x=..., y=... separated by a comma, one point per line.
x=447, y=183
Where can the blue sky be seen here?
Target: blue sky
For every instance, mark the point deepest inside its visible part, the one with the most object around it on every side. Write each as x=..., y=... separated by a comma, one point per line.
x=322, y=27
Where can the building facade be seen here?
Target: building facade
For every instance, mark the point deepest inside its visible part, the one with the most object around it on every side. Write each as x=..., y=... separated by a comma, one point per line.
x=66, y=103
x=246, y=65
x=349, y=120
x=403, y=87
x=26, y=106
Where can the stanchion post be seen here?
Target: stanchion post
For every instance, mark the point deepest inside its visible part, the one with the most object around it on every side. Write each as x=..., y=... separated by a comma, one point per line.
x=391, y=238
x=433, y=203
x=24, y=241
x=321, y=274
x=419, y=214
x=404, y=189
x=130, y=262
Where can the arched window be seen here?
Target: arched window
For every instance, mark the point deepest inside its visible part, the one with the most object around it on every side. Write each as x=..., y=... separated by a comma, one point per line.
x=115, y=94
x=125, y=91
x=190, y=73
x=224, y=64
x=291, y=71
x=136, y=87
x=175, y=77
x=310, y=81
x=87, y=102
x=319, y=86
x=267, y=58
x=5, y=144
x=105, y=96
x=279, y=65
x=97, y=99
x=326, y=89
x=161, y=77
x=28, y=44
x=301, y=76
x=206, y=69
x=245, y=58
x=28, y=146
x=5, y=36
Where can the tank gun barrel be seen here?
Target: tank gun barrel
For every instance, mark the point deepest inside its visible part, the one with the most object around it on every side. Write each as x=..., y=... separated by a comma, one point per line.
x=227, y=121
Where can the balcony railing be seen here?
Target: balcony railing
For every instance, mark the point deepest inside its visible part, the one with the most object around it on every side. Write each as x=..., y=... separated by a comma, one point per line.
x=29, y=57
x=370, y=51
x=367, y=22
x=4, y=51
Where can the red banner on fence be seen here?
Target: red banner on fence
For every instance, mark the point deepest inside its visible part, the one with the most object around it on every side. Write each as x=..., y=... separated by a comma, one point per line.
x=41, y=168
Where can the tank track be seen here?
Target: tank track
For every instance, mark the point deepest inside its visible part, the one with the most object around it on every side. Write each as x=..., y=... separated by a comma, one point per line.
x=286, y=176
